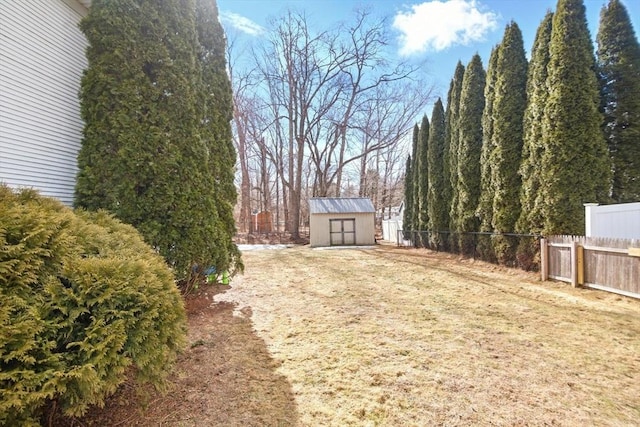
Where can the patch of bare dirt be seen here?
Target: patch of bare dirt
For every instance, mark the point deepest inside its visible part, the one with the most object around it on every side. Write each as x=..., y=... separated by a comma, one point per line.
x=226, y=377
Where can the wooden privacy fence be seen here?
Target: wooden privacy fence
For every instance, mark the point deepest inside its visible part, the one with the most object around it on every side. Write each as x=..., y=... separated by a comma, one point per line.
x=602, y=263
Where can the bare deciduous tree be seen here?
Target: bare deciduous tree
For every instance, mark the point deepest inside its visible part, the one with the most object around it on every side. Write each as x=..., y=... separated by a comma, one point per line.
x=322, y=106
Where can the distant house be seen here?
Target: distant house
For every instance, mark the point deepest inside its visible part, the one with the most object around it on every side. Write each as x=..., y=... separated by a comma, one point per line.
x=341, y=221
x=42, y=56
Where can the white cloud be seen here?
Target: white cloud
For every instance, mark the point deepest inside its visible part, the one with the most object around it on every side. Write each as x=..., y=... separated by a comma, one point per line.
x=438, y=25
x=241, y=23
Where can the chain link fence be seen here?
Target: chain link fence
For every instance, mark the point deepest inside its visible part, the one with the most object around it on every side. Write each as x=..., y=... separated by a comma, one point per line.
x=510, y=249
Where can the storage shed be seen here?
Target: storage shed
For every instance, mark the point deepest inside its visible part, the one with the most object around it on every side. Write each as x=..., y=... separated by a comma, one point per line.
x=341, y=221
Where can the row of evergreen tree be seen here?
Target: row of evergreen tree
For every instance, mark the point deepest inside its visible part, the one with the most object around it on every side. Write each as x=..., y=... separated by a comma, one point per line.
x=523, y=145
x=157, y=149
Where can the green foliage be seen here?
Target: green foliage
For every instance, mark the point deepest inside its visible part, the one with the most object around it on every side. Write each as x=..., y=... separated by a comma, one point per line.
x=415, y=169
x=409, y=190
x=452, y=138
x=407, y=213
x=156, y=150
x=217, y=112
x=437, y=205
x=531, y=219
x=469, y=149
x=485, y=203
x=82, y=298
x=422, y=178
x=619, y=76
x=508, y=110
x=575, y=163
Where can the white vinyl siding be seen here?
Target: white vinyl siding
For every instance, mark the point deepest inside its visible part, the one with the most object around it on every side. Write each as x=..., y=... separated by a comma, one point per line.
x=42, y=56
x=620, y=221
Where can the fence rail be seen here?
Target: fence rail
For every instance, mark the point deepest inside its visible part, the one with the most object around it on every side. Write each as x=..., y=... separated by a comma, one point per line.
x=608, y=264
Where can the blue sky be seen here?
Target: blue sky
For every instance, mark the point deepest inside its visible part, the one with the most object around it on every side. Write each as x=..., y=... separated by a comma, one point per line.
x=438, y=32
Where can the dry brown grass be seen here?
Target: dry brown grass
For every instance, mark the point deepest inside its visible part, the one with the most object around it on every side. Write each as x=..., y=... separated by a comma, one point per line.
x=403, y=337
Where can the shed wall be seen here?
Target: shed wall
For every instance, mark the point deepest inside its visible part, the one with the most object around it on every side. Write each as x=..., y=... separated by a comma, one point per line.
x=319, y=235
x=41, y=64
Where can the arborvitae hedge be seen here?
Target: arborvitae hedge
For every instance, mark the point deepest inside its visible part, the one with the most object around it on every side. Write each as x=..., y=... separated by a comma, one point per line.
x=82, y=298
x=469, y=148
x=619, y=76
x=575, y=162
x=409, y=185
x=437, y=204
x=217, y=112
x=451, y=150
x=508, y=110
x=485, y=203
x=156, y=152
x=407, y=213
x=531, y=219
x=423, y=177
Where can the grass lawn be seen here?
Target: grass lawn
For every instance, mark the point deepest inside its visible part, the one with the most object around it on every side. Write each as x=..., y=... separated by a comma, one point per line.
x=401, y=337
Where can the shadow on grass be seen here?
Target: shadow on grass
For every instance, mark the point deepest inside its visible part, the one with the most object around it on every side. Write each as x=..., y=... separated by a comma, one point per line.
x=226, y=376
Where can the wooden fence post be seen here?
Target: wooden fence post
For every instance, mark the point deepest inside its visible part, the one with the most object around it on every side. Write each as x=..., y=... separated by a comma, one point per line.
x=544, y=259
x=574, y=263
x=580, y=265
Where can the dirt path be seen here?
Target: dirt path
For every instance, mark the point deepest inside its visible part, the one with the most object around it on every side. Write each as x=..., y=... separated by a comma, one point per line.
x=392, y=337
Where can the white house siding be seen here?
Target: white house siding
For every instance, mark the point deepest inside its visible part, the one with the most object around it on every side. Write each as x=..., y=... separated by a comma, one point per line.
x=42, y=55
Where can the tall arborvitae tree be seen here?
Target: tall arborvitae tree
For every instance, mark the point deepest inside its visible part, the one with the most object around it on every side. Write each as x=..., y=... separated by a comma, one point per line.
x=469, y=149
x=423, y=178
x=437, y=204
x=407, y=213
x=409, y=185
x=415, y=170
x=485, y=203
x=508, y=111
x=619, y=76
x=217, y=112
x=452, y=137
x=575, y=162
x=142, y=156
x=531, y=220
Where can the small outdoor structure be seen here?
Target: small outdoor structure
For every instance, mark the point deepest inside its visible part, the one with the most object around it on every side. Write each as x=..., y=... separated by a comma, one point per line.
x=341, y=221
x=391, y=225
x=262, y=222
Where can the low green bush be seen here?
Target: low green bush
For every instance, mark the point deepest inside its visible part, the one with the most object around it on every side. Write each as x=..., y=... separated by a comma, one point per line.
x=82, y=298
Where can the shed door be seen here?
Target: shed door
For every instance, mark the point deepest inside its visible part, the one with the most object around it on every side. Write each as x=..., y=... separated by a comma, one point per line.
x=342, y=231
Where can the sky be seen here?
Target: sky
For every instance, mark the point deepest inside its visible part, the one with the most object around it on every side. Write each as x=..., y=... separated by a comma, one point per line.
x=438, y=32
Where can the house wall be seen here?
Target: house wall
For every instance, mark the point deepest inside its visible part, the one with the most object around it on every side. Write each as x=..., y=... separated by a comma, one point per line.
x=319, y=228
x=41, y=63
x=620, y=221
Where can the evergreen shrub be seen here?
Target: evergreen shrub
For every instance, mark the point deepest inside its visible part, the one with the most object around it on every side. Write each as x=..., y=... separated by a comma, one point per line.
x=82, y=298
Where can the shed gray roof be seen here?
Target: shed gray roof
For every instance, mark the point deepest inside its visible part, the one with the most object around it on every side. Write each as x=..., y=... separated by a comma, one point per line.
x=322, y=205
